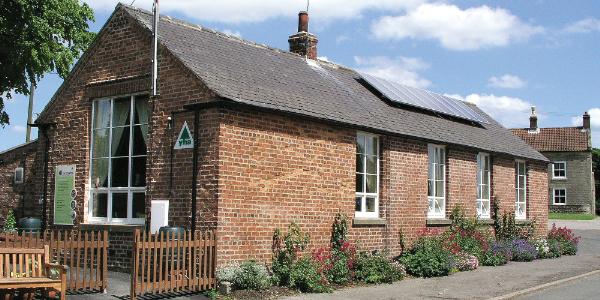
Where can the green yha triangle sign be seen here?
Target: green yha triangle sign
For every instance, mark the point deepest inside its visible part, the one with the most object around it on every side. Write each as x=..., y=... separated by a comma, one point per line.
x=184, y=140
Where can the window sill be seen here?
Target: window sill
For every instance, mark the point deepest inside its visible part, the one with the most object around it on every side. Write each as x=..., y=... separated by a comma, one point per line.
x=112, y=227
x=369, y=221
x=486, y=221
x=439, y=222
x=523, y=222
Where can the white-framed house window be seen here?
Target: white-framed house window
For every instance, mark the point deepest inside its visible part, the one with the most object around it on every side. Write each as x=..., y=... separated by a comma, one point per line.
x=367, y=176
x=19, y=176
x=118, y=160
x=559, y=170
x=436, y=184
x=559, y=196
x=483, y=185
x=520, y=190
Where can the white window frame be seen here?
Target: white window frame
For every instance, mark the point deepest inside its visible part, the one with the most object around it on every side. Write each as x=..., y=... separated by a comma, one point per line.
x=554, y=170
x=481, y=200
x=431, y=214
x=114, y=190
x=16, y=176
x=364, y=195
x=554, y=196
x=520, y=165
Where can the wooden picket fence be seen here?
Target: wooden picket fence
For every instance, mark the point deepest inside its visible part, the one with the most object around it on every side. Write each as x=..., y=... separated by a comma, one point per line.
x=84, y=252
x=171, y=263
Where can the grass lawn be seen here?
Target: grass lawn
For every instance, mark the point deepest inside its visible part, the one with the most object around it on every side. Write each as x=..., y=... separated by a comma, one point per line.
x=568, y=216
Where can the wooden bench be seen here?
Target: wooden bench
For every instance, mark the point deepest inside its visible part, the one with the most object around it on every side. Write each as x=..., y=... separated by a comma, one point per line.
x=22, y=268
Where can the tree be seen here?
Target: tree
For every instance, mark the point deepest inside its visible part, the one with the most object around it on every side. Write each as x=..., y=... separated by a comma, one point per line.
x=37, y=37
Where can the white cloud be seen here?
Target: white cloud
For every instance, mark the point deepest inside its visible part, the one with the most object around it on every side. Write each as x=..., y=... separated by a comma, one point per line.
x=18, y=128
x=323, y=58
x=401, y=69
x=342, y=38
x=594, y=119
x=509, y=111
x=233, y=33
x=455, y=28
x=236, y=11
x=507, y=81
x=583, y=26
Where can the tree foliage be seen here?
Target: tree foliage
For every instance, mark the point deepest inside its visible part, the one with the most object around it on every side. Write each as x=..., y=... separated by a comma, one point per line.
x=38, y=37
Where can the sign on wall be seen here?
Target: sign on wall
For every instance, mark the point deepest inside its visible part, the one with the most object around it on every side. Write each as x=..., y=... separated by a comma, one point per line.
x=184, y=140
x=64, y=195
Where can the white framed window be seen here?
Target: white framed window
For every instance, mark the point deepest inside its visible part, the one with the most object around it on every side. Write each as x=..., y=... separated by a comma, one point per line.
x=118, y=160
x=520, y=190
x=436, y=184
x=19, y=176
x=483, y=185
x=559, y=197
x=559, y=170
x=367, y=176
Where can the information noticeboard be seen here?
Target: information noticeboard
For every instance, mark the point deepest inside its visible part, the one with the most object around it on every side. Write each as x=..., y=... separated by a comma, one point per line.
x=64, y=195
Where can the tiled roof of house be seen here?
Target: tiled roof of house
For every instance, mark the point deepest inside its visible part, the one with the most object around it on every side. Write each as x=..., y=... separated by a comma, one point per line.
x=556, y=139
x=264, y=77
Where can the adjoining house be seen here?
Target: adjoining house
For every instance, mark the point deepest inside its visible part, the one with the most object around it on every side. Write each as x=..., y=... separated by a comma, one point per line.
x=19, y=168
x=570, y=175
x=244, y=138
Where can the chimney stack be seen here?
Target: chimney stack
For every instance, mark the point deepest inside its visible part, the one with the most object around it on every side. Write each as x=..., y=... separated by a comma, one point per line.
x=533, y=121
x=586, y=121
x=303, y=42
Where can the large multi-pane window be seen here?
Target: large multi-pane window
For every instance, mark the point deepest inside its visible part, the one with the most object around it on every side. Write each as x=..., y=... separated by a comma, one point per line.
x=520, y=190
x=483, y=185
x=118, y=168
x=437, y=182
x=367, y=176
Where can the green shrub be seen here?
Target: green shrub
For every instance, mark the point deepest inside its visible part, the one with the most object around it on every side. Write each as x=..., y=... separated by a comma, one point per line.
x=493, y=259
x=339, y=263
x=554, y=249
x=427, y=258
x=11, y=222
x=305, y=276
x=506, y=227
x=377, y=269
x=286, y=250
x=565, y=238
x=251, y=276
x=227, y=273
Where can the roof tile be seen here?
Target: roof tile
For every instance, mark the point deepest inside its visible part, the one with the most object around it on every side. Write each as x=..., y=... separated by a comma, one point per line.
x=556, y=139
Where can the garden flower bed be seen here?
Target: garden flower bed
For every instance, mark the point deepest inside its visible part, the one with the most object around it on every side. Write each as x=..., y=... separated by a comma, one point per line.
x=464, y=246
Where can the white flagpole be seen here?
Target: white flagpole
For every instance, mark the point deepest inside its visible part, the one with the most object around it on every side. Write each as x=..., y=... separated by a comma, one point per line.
x=155, y=49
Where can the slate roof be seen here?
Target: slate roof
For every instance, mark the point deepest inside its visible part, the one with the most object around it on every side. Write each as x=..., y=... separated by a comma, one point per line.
x=269, y=78
x=564, y=139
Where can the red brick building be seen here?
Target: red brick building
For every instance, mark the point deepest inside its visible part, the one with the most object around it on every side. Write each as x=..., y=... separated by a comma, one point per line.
x=277, y=137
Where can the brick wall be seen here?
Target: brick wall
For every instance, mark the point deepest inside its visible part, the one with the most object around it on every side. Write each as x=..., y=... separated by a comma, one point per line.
x=275, y=170
x=22, y=198
x=119, y=64
x=257, y=171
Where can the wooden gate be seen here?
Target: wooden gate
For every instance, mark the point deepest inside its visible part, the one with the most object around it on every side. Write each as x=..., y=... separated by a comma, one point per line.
x=84, y=252
x=171, y=263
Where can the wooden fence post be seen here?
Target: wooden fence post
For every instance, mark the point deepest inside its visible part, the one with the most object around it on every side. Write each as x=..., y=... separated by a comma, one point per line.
x=132, y=289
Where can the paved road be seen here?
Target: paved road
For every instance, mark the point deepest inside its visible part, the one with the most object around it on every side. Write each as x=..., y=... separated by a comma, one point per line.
x=585, y=288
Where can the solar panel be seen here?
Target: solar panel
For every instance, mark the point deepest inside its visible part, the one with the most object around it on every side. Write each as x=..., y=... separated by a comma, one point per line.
x=423, y=99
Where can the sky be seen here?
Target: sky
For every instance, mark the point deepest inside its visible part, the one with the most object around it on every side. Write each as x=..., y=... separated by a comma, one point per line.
x=504, y=56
